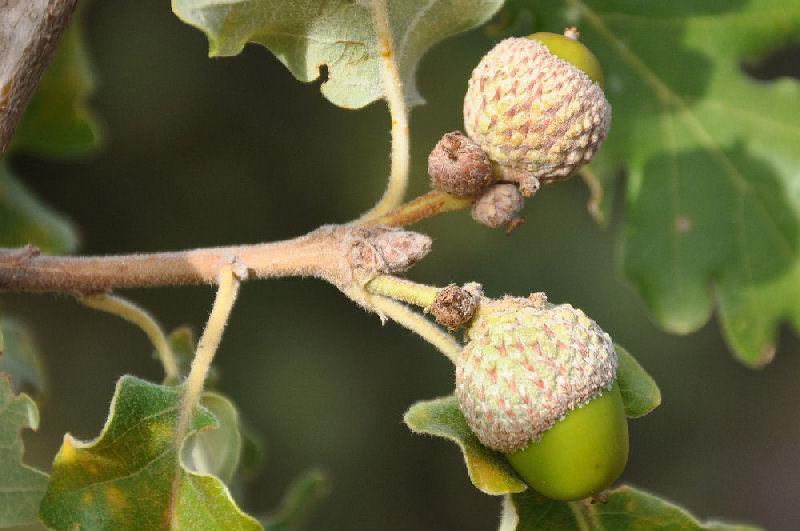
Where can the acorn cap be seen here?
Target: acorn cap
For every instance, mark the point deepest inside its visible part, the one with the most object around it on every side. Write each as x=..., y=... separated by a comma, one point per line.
x=534, y=114
x=528, y=363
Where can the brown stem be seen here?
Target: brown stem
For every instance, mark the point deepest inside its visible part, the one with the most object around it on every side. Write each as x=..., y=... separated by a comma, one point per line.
x=338, y=254
x=29, y=34
x=422, y=207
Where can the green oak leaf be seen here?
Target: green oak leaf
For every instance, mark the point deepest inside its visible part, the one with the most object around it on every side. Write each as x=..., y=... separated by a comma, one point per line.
x=130, y=476
x=712, y=201
x=19, y=357
x=338, y=34
x=21, y=487
x=627, y=508
x=640, y=394
x=24, y=219
x=488, y=470
x=302, y=495
x=58, y=122
x=216, y=452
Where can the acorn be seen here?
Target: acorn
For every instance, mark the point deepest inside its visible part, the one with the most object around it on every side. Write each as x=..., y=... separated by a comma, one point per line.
x=537, y=382
x=536, y=106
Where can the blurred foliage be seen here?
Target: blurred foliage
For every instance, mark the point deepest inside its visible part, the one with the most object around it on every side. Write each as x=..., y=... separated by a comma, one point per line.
x=625, y=509
x=58, y=122
x=19, y=357
x=712, y=214
x=204, y=153
x=22, y=487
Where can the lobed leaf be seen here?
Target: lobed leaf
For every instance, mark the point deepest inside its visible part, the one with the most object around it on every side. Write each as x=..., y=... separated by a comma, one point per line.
x=21, y=486
x=130, y=476
x=712, y=209
x=488, y=470
x=306, y=35
x=626, y=509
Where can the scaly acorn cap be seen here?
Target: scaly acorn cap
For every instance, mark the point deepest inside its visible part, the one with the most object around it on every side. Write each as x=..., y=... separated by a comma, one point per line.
x=537, y=116
x=528, y=363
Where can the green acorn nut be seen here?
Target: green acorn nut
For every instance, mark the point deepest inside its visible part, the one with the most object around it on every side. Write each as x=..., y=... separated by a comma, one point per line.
x=537, y=382
x=537, y=116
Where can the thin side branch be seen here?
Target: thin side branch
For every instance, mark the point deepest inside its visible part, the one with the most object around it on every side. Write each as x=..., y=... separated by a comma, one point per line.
x=30, y=31
x=395, y=97
x=138, y=316
x=417, y=323
x=422, y=207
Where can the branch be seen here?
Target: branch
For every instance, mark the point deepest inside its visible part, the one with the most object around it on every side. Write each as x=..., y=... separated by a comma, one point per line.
x=343, y=255
x=30, y=31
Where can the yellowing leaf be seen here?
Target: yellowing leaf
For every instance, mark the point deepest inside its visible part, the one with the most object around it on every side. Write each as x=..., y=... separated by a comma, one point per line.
x=306, y=35
x=488, y=470
x=130, y=476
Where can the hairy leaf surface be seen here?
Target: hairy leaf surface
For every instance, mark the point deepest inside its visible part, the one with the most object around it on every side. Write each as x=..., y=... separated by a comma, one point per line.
x=130, y=477
x=488, y=470
x=306, y=35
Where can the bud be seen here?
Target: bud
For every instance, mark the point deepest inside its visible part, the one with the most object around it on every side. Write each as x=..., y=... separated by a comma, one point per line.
x=458, y=166
x=498, y=206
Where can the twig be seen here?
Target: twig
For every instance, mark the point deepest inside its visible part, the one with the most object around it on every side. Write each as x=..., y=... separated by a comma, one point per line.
x=395, y=97
x=408, y=318
x=132, y=313
x=30, y=31
x=333, y=253
x=404, y=290
x=422, y=207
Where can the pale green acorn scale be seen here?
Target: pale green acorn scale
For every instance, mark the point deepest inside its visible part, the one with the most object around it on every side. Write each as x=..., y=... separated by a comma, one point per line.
x=537, y=382
x=538, y=116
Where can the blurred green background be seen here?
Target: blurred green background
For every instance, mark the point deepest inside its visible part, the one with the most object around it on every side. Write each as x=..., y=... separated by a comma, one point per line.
x=206, y=152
